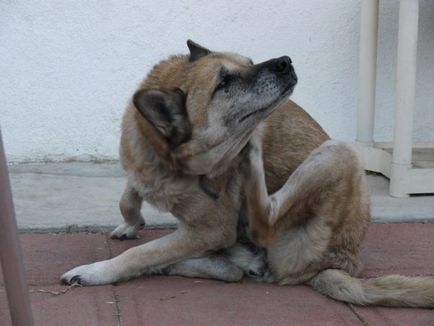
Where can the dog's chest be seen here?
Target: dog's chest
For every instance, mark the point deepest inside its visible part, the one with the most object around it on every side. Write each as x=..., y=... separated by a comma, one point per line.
x=164, y=192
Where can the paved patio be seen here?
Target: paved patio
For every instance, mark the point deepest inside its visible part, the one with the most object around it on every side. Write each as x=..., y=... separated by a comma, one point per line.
x=389, y=248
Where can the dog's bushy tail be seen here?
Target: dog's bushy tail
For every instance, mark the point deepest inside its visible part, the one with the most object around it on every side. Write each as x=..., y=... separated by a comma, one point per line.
x=390, y=290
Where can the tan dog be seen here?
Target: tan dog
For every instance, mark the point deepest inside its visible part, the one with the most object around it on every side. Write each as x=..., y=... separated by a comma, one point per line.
x=208, y=137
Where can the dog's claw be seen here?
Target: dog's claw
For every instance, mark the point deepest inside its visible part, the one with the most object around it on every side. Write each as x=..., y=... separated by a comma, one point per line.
x=252, y=273
x=126, y=231
x=75, y=280
x=91, y=274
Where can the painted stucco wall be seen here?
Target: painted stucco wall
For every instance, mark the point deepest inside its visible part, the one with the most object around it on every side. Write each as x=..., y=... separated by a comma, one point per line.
x=67, y=68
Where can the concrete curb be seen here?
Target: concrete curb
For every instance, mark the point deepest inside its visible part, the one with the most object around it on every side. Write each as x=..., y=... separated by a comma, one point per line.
x=83, y=197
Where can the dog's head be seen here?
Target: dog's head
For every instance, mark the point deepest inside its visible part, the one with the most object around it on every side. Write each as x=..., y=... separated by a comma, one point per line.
x=204, y=107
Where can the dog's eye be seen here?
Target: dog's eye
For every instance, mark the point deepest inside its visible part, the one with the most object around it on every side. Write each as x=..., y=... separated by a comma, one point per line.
x=224, y=83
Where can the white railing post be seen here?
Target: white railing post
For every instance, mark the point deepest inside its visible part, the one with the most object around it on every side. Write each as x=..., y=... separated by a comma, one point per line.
x=405, y=95
x=367, y=71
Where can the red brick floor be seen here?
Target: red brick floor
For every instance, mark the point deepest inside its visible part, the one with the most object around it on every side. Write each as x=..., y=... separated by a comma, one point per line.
x=160, y=300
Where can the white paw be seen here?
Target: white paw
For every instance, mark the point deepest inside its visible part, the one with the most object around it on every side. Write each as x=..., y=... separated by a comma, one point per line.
x=126, y=231
x=257, y=267
x=92, y=274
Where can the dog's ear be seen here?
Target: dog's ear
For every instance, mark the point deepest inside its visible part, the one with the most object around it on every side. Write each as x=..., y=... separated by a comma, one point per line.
x=196, y=51
x=165, y=111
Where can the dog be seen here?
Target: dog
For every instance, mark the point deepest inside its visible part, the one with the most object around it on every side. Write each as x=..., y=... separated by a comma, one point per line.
x=257, y=185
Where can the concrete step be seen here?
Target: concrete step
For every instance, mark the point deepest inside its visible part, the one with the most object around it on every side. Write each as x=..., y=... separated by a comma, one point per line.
x=84, y=196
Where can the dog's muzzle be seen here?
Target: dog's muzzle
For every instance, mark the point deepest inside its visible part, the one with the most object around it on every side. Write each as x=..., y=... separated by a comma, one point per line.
x=283, y=66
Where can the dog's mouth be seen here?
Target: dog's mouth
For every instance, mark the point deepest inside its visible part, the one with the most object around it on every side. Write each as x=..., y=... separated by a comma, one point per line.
x=254, y=113
x=285, y=94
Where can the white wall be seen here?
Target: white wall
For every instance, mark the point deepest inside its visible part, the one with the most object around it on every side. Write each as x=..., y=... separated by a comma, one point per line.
x=67, y=68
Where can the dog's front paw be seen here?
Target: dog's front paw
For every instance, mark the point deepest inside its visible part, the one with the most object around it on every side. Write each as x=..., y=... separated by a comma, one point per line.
x=93, y=274
x=126, y=231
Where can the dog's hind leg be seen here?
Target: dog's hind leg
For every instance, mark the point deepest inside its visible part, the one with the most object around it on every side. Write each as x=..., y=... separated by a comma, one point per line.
x=216, y=267
x=227, y=265
x=329, y=183
x=129, y=205
x=252, y=262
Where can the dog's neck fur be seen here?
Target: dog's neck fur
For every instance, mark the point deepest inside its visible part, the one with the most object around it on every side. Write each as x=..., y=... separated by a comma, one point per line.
x=159, y=175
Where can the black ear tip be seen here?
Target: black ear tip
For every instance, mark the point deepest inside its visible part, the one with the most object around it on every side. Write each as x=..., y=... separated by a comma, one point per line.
x=137, y=97
x=191, y=44
x=197, y=51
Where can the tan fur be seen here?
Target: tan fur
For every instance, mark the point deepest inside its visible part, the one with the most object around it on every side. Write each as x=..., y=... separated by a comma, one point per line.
x=305, y=196
x=390, y=290
x=314, y=224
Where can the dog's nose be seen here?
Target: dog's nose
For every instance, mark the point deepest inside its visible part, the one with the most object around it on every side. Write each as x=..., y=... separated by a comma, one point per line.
x=283, y=64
